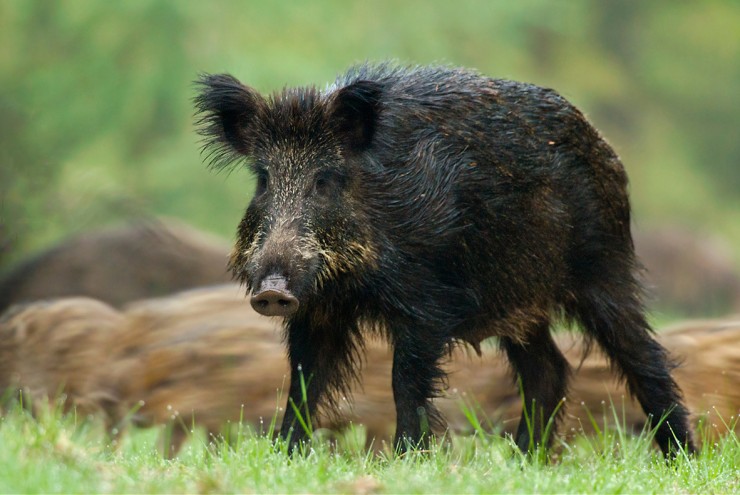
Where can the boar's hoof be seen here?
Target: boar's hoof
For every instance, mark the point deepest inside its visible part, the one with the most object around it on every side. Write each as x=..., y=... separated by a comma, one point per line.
x=274, y=299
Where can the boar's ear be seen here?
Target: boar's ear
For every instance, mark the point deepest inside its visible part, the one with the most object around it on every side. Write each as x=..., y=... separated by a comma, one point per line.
x=227, y=111
x=353, y=113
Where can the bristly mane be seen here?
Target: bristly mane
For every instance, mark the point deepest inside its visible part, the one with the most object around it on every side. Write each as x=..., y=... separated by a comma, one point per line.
x=235, y=120
x=294, y=114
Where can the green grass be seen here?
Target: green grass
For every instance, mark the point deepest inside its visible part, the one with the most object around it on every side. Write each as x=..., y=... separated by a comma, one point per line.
x=60, y=454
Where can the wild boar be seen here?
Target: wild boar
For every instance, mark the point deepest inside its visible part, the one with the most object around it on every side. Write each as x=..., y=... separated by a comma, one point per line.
x=435, y=206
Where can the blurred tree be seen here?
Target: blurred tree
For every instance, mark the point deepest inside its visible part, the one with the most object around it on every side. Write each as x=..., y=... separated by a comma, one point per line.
x=80, y=71
x=684, y=61
x=95, y=112
x=698, y=45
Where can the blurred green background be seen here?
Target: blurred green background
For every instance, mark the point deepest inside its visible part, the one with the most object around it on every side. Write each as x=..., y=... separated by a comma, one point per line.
x=96, y=114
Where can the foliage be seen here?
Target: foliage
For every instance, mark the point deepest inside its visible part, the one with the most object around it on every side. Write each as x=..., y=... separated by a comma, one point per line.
x=95, y=112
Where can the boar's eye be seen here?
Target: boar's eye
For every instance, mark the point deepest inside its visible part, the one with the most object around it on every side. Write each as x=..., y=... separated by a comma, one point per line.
x=261, y=182
x=328, y=182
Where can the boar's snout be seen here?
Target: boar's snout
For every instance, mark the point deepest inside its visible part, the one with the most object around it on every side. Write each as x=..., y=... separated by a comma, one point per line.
x=273, y=297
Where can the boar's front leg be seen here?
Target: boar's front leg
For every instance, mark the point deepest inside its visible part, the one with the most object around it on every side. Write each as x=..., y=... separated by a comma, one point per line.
x=319, y=355
x=416, y=379
x=305, y=386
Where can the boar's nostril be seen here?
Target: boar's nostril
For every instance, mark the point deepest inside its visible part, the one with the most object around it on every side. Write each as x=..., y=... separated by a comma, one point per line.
x=274, y=298
x=261, y=303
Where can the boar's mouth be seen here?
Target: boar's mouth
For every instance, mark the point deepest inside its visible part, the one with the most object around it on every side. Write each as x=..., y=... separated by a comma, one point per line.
x=273, y=298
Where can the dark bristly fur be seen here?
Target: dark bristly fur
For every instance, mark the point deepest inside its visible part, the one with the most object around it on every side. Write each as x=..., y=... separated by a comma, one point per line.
x=437, y=206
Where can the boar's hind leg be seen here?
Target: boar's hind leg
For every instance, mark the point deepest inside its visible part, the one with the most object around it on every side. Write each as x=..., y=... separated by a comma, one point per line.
x=416, y=379
x=619, y=326
x=542, y=373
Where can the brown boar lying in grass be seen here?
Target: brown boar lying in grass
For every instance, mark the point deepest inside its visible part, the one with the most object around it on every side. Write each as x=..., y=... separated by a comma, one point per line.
x=710, y=375
x=205, y=358
x=120, y=264
x=708, y=353
x=202, y=357
x=49, y=349
x=689, y=273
